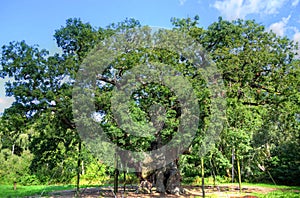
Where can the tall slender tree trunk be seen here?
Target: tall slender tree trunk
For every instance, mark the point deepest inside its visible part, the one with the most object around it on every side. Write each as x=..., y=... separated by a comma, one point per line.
x=124, y=178
x=240, y=177
x=82, y=168
x=232, y=169
x=213, y=172
x=78, y=167
x=13, y=149
x=271, y=178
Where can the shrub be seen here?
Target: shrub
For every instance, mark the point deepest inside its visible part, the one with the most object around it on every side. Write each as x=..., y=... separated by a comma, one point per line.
x=14, y=168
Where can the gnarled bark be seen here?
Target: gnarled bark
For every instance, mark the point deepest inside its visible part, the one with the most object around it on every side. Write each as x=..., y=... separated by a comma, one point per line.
x=167, y=179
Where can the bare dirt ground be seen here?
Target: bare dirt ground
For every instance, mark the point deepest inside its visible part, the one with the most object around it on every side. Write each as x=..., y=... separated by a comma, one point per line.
x=190, y=191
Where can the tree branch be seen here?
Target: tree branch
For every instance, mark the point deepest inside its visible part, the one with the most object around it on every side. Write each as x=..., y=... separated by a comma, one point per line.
x=105, y=79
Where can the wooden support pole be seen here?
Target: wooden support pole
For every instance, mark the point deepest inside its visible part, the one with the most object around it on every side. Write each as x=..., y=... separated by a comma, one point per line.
x=240, y=177
x=116, y=175
x=202, y=175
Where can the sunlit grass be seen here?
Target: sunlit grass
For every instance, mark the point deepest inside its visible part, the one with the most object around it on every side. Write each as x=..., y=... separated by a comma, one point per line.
x=22, y=191
x=279, y=194
x=282, y=190
x=43, y=190
x=244, y=185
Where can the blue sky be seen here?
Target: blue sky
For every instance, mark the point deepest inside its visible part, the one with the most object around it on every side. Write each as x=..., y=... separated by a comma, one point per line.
x=35, y=21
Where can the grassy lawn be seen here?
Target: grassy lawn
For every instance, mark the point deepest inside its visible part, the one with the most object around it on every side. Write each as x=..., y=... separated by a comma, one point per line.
x=22, y=191
x=279, y=194
x=42, y=190
x=281, y=190
x=244, y=185
x=269, y=186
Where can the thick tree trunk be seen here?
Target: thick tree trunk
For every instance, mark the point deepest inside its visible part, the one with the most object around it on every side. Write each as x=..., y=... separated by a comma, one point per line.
x=168, y=179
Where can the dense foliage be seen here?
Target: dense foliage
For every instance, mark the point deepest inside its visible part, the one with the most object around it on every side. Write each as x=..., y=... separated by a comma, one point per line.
x=40, y=144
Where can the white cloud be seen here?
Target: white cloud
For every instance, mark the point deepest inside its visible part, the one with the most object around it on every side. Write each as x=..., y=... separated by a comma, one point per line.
x=296, y=38
x=229, y=8
x=280, y=27
x=295, y=3
x=5, y=103
x=233, y=9
x=182, y=2
x=272, y=6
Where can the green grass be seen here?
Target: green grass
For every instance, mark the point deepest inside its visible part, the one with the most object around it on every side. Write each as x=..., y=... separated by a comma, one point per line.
x=279, y=194
x=43, y=190
x=280, y=187
x=22, y=191
x=262, y=185
x=281, y=191
x=39, y=190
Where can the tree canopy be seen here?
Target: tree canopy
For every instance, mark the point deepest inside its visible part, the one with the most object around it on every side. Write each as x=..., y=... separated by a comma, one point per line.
x=259, y=73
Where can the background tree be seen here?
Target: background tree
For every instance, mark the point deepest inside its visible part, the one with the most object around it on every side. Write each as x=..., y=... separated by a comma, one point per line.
x=42, y=87
x=259, y=70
